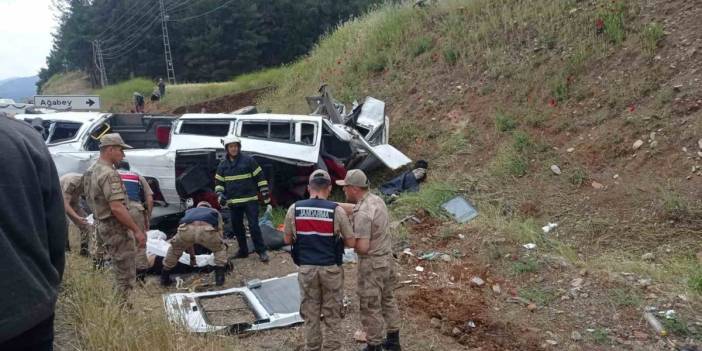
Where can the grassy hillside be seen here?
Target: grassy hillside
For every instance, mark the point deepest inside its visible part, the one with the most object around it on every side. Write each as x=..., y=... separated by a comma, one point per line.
x=494, y=94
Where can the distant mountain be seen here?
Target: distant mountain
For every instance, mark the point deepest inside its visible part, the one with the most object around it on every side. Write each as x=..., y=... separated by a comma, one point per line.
x=18, y=89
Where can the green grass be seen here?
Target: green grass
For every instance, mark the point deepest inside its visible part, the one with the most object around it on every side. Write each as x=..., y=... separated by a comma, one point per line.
x=420, y=46
x=525, y=265
x=651, y=36
x=509, y=162
x=538, y=295
x=430, y=197
x=450, y=56
x=625, y=297
x=695, y=281
x=600, y=336
x=578, y=177
x=613, y=16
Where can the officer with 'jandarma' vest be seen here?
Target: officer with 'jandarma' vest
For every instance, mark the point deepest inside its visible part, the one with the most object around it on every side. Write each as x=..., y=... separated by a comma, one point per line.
x=318, y=229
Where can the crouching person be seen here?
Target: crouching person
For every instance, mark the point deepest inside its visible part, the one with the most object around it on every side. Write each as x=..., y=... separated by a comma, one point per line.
x=203, y=226
x=318, y=229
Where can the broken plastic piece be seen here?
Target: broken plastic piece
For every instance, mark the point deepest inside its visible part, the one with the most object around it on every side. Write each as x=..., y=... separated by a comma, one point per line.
x=460, y=209
x=548, y=227
x=419, y=269
x=529, y=246
x=655, y=324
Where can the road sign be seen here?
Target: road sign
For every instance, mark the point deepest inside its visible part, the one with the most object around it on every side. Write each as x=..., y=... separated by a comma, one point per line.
x=68, y=102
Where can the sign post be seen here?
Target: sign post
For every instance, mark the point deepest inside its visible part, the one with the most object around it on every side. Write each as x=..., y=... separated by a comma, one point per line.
x=68, y=102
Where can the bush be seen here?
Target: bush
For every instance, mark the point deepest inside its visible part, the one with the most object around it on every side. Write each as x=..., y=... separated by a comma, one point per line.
x=420, y=46
x=450, y=56
x=651, y=36
x=504, y=122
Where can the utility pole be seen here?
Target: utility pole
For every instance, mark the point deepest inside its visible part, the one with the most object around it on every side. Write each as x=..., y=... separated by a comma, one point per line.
x=99, y=63
x=170, y=72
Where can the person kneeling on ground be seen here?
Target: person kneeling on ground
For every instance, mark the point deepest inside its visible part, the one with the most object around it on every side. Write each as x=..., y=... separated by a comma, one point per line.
x=201, y=225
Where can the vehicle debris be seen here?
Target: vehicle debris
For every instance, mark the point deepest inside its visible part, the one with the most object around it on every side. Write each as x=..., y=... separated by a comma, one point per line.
x=419, y=269
x=529, y=246
x=548, y=227
x=274, y=303
x=460, y=209
x=655, y=324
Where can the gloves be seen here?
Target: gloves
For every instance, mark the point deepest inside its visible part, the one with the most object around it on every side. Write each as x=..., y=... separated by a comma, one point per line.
x=266, y=197
x=222, y=200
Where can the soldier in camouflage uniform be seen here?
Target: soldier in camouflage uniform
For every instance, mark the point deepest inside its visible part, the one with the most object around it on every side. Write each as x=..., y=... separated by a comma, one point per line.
x=107, y=197
x=376, y=268
x=202, y=225
x=318, y=230
x=72, y=188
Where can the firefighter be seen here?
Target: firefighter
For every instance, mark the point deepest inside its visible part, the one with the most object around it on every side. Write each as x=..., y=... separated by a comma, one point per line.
x=238, y=181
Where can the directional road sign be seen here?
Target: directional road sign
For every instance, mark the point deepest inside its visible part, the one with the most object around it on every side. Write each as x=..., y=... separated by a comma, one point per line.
x=68, y=102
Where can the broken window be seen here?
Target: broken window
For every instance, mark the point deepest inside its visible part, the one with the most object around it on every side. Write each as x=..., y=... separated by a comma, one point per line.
x=250, y=129
x=307, y=133
x=63, y=131
x=208, y=128
x=280, y=131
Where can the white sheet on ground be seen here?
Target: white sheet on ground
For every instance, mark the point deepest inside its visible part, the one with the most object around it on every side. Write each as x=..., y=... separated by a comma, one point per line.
x=156, y=244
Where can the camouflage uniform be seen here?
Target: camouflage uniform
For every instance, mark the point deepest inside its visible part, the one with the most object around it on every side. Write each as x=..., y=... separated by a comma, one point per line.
x=102, y=185
x=72, y=188
x=200, y=233
x=376, y=270
x=322, y=290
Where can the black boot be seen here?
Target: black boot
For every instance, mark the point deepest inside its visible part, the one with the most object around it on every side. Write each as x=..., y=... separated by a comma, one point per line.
x=263, y=256
x=392, y=342
x=165, y=277
x=370, y=347
x=84, y=250
x=141, y=276
x=241, y=254
x=219, y=276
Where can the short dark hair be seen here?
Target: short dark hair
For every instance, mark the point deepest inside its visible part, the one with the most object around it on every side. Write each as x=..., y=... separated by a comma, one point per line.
x=123, y=165
x=319, y=183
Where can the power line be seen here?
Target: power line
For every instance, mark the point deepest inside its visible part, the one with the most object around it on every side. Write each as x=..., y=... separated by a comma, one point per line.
x=128, y=29
x=204, y=13
x=128, y=47
x=134, y=37
x=118, y=22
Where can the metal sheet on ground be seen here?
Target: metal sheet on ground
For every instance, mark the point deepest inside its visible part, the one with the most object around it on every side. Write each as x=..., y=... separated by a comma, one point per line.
x=280, y=296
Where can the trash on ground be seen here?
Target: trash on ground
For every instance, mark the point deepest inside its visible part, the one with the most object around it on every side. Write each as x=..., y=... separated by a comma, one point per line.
x=548, y=227
x=430, y=256
x=419, y=269
x=274, y=303
x=460, y=209
x=529, y=246
x=655, y=324
x=669, y=314
x=555, y=169
x=407, y=251
x=477, y=281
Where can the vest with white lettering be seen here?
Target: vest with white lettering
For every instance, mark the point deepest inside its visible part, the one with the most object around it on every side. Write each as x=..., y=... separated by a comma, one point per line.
x=316, y=243
x=132, y=185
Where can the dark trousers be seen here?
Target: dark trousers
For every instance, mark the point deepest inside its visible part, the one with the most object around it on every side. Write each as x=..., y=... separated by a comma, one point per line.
x=237, y=218
x=39, y=338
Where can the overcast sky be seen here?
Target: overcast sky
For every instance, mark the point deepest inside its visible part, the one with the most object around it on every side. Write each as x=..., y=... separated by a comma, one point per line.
x=25, y=36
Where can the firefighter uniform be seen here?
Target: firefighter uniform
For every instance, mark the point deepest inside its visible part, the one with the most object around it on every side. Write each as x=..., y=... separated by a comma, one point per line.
x=137, y=190
x=318, y=228
x=103, y=185
x=203, y=226
x=238, y=180
x=72, y=188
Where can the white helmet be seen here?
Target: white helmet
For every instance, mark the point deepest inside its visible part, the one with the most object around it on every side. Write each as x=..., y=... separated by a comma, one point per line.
x=230, y=139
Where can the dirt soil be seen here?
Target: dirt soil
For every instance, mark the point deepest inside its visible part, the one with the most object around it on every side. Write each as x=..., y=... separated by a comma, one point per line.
x=224, y=104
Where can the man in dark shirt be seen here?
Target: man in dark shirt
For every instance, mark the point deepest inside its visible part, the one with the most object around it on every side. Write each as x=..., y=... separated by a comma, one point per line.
x=32, y=238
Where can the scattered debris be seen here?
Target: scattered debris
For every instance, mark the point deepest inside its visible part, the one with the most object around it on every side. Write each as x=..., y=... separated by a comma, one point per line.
x=460, y=209
x=570, y=150
x=461, y=236
x=548, y=227
x=477, y=281
x=556, y=170
x=529, y=246
x=649, y=256
x=419, y=269
x=597, y=186
x=655, y=324
x=677, y=87
x=575, y=336
x=616, y=176
x=446, y=258
x=407, y=251
x=430, y=256
x=637, y=144
x=669, y=314
x=496, y=289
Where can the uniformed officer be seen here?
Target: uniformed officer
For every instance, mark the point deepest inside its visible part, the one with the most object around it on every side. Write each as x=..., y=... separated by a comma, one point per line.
x=72, y=188
x=317, y=231
x=376, y=267
x=106, y=196
x=140, y=204
x=201, y=225
x=238, y=181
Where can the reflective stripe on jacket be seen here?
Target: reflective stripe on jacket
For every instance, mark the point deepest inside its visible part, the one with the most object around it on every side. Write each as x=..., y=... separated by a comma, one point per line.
x=240, y=180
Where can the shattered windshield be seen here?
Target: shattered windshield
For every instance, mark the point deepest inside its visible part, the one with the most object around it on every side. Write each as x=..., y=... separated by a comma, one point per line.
x=55, y=131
